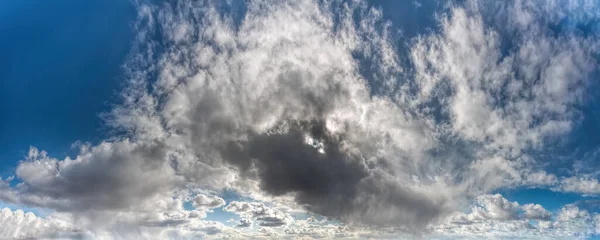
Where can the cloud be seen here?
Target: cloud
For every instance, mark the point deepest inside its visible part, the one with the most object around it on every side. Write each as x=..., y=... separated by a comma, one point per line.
x=332, y=183
x=505, y=101
x=204, y=201
x=495, y=207
x=493, y=216
x=257, y=212
x=297, y=118
x=535, y=211
x=112, y=175
x=168, y=219
x=288, y=84
x=18, y=224
x=273, y=103
x=505, y=88
x=571, y=212
x=584, y=186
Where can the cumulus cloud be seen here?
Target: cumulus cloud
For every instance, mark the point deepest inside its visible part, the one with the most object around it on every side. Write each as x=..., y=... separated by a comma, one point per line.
x=497, y=208
x=535, y=211
x=257, y=212
x=273, y=103
x=18, y=224
x=493, y=216
x=204, y=201
x=112, y=175
x=585, y=186
x=571, y=212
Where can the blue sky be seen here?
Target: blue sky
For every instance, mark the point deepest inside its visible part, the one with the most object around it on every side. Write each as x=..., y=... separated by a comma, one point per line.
x=54, y=84
x=204, y=120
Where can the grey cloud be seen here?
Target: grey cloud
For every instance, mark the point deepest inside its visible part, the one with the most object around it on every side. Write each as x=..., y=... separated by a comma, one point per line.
x=251, y=95
x=204, y=201
x=270, y=222
x=112, y=175
x=334, y=182
x=286, y=163
x=244, y=223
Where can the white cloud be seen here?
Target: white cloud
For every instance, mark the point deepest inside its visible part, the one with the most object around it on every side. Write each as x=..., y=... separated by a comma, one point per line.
x=584, y=186
x=18, y=224
x=508, y=102
x=493, y=216
x=540, y=178
x=535, y=211
x=570, y=212
x=257, y=212
x=495, y=207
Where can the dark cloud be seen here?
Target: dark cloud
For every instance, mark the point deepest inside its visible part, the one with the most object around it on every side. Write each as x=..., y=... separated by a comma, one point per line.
x=333, y=182
x=270, y=221
x=109, y=176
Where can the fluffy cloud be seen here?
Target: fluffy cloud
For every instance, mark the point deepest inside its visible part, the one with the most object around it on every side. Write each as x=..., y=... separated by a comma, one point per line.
x=571, y=212
x=257, y=212
x=203, y=201
x=112, y=175
x=273, y=103
x=18, y=224
x=585, y=186
x=535, y=211
x=166, y=221
x=493, y=216
x=497, y=208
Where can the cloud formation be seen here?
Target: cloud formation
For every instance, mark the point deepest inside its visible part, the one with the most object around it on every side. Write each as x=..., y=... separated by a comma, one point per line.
x=493, y=216
x=21, y=225
x=273, y=103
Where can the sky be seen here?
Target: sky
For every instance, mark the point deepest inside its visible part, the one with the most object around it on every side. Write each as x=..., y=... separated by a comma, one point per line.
x=308, y=119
